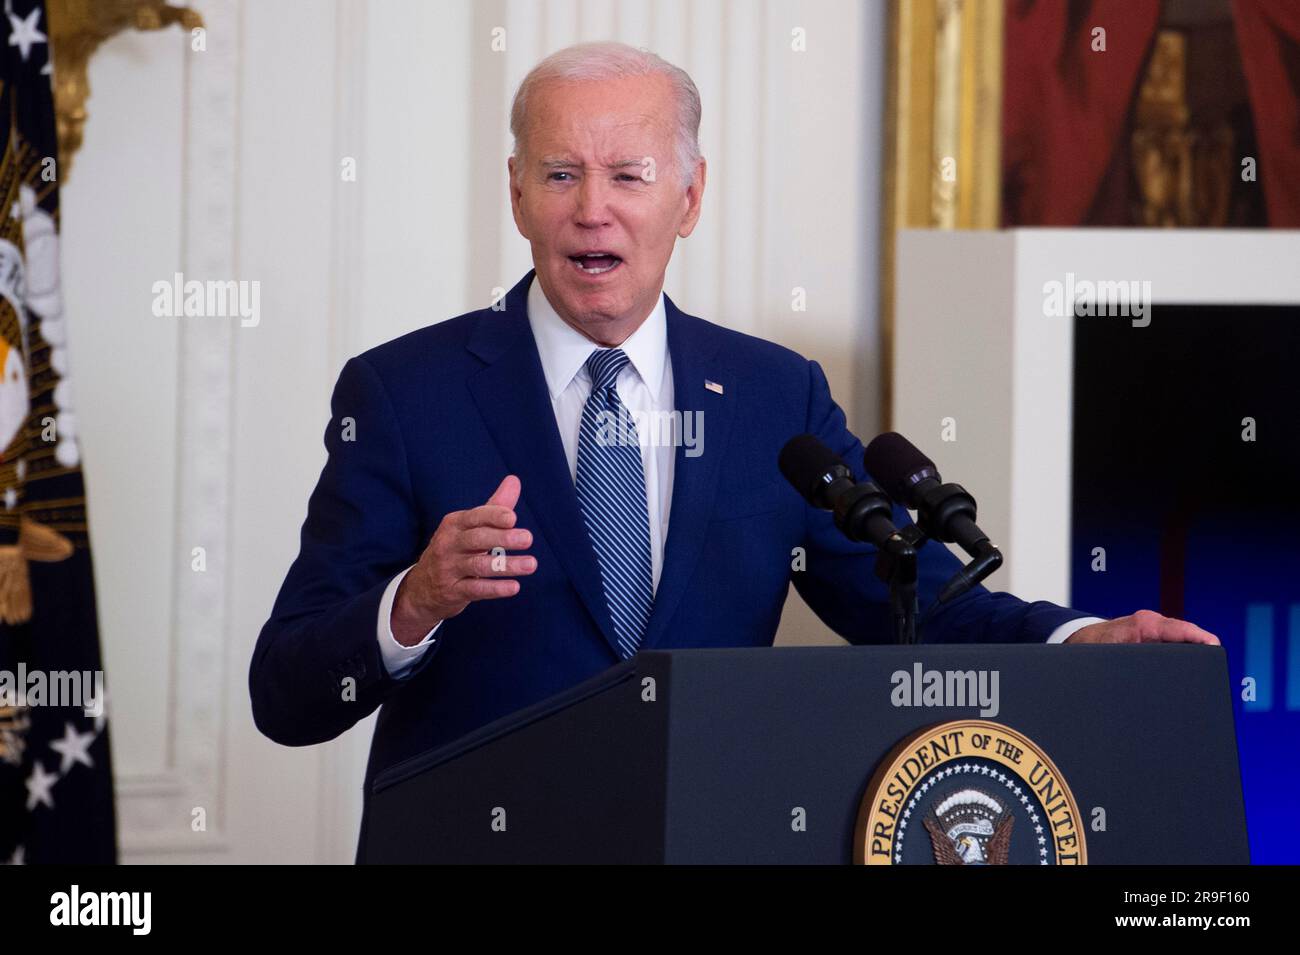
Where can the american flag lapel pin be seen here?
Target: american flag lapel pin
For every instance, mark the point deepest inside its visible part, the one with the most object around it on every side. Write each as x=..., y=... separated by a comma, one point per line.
x=713, y=386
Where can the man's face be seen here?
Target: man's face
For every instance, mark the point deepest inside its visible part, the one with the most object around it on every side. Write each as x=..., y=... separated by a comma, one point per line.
x=599, y=196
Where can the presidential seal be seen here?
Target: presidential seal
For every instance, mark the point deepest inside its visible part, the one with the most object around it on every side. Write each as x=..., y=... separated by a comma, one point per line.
x=969, y=792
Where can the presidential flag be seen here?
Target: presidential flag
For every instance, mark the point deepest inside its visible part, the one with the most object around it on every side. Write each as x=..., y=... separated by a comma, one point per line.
x=56, y=791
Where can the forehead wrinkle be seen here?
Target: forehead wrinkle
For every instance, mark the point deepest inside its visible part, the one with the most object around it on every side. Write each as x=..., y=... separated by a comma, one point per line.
x=602, y=132
x=625, y=140
x=554, y=123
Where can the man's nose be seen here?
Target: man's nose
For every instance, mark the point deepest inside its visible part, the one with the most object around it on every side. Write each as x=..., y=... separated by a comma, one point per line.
x=592, y=209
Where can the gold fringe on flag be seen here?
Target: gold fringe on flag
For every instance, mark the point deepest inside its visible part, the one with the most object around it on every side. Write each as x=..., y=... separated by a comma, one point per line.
x=35, y=542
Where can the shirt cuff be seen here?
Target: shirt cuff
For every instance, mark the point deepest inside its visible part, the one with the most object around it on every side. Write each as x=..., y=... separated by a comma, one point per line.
x=1066, y=630
x=398, y=659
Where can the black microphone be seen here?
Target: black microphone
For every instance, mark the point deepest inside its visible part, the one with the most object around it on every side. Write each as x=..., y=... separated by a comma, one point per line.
x=862, y=511
x=944, y=512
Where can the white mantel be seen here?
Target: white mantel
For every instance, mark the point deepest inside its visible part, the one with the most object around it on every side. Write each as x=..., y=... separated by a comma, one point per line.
x=974, y=342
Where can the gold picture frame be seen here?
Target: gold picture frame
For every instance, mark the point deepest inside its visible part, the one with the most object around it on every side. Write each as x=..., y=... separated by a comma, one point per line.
x=943, y=124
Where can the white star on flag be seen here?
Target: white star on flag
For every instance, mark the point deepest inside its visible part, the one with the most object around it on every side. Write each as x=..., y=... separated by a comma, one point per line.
x=25, y=33
x=39, y=784
x=73, y=747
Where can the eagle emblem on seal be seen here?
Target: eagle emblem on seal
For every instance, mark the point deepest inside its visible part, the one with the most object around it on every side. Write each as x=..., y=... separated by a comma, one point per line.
x=970, y=827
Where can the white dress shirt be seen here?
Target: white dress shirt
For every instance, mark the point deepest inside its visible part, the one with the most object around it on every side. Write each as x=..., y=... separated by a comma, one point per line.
x=645, y=386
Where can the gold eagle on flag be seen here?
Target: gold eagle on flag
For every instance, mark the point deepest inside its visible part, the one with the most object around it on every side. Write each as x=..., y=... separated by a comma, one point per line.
x=37, y=427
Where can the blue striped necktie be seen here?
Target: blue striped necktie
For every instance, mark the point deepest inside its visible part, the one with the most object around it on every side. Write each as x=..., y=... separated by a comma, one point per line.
x=611, y=493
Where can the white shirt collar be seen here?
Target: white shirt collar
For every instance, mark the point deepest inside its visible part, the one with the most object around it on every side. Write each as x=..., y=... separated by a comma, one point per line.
x=564, y=350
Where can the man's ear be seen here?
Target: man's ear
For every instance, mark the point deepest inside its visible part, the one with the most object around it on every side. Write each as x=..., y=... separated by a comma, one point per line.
x=694, y=199
x=515, y=196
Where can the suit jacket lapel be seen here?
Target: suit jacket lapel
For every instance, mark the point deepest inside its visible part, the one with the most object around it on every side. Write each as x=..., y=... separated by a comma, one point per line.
x=693, y=345
x=513, y=399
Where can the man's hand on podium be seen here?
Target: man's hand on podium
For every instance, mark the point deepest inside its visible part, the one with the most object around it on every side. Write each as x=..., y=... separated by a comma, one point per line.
x=1145, y=626
x=459, y=566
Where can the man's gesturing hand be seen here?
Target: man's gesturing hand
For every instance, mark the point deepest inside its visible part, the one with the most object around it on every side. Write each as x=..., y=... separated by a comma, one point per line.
x=458, y=567
x=1145, y=626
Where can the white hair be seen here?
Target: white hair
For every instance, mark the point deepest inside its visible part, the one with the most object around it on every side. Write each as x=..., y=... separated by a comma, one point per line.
x=605, y=61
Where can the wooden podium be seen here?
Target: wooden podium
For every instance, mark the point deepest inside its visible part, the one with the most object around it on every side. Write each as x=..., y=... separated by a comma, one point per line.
x=765, y=756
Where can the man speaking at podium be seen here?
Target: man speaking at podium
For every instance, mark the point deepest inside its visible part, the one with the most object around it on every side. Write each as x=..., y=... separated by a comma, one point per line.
x=476, y=542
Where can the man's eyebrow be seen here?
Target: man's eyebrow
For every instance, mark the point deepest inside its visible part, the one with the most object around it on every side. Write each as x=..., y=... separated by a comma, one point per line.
x=562, y=163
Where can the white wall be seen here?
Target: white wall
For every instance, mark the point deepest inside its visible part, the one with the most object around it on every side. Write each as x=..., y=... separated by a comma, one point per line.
x=225, y=164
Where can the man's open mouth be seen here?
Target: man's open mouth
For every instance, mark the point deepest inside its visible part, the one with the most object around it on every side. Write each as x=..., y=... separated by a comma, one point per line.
x=595, y=263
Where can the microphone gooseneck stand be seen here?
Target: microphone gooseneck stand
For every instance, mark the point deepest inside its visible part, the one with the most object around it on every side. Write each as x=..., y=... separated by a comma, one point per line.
x=896, y=566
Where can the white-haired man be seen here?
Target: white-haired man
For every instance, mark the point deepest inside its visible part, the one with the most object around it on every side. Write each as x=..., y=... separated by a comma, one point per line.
x=482, y=545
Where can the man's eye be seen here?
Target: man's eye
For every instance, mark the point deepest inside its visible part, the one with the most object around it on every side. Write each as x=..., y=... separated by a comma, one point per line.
x=555, y=176
x=628, y=177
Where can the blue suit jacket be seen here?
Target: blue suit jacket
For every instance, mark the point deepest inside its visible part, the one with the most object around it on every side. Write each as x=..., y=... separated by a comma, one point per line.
x=442, y=414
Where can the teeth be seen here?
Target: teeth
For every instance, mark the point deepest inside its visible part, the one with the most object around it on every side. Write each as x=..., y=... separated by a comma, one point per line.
x=597, y=255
